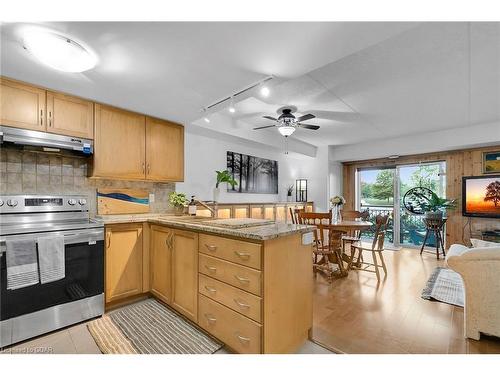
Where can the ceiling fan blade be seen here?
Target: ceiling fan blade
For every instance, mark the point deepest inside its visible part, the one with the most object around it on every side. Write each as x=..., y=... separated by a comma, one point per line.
x=307, y=126
x=305, y=117
x=337, y=115
x=264, y=127
x=270, y=118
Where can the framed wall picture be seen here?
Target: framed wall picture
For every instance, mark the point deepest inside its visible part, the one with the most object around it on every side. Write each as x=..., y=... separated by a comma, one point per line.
x=491, y=162
x=253, y=174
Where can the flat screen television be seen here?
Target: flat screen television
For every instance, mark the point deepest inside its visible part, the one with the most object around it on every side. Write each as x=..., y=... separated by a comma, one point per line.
x=481, y=196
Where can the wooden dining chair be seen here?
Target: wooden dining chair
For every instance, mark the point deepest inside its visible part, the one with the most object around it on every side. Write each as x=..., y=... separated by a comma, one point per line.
x=327, y=245
x=353, y=236
x=376, y=249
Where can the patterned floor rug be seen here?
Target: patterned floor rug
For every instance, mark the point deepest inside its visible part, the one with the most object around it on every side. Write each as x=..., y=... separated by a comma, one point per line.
x=446, y=286
x=148, y=327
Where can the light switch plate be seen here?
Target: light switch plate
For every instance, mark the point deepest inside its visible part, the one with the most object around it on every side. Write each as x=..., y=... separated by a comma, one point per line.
x=151, y=198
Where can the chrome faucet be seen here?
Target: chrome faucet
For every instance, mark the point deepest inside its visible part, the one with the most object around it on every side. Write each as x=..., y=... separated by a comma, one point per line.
x=213, y=211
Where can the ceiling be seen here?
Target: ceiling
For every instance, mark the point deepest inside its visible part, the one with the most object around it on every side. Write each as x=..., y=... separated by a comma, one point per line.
x=363, y=81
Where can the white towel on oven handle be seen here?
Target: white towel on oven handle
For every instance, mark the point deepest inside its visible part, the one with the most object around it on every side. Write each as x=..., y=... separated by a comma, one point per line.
x=51, y=259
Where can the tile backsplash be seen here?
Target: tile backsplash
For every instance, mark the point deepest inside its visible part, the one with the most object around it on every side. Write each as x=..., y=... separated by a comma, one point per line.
x=31, y=172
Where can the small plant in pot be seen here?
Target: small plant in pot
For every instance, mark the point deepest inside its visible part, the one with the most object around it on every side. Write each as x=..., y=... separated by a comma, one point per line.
x=179, y=201
x=289, y=192
x=434, y=206
x=223, y=176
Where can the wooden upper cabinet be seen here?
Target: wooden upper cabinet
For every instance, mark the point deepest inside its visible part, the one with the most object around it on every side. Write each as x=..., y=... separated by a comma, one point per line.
x=69, y=115
x=22, y=106
x=119, y=142
x=124, y=257
x=164, y=150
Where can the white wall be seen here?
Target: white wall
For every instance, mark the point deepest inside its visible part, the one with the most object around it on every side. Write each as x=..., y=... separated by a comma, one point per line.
x=479, y=135
x=205, y=152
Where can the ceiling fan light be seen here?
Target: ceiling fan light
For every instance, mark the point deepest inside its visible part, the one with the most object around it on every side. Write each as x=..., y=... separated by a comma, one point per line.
x=286, y=131
x=59, y=52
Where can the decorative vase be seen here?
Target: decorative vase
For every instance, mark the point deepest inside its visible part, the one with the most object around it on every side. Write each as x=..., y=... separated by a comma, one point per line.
x=336, y=215
x=216, y=194
x=289, y=198
x=179, y=210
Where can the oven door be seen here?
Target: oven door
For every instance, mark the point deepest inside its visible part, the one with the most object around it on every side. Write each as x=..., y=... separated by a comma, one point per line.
x=84, y=275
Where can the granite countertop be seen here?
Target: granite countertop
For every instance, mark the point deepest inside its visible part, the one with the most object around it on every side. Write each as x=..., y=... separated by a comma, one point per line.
x=260, y=232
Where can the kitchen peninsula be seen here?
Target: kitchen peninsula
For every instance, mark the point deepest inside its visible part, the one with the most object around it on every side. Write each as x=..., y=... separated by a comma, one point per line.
x=248, y=282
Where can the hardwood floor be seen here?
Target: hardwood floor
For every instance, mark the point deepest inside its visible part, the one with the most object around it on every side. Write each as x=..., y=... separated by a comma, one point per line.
x=354, y=315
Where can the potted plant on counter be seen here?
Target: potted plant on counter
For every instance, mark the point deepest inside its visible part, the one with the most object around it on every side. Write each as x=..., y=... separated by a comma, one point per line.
x=336, y=202
x=179, y=201
x=223, y=176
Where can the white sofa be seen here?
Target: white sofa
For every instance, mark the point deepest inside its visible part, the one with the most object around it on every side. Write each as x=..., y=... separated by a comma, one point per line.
x=480, y=271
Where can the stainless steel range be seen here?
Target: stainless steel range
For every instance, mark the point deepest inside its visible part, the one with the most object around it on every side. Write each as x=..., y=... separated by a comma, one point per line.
x=36, y=309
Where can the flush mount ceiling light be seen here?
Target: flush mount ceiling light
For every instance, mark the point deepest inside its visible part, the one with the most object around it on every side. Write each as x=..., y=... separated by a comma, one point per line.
x=231, y=108
x=58, y=52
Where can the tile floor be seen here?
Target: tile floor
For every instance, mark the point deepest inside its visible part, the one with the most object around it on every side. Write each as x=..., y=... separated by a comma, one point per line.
x=77, y=340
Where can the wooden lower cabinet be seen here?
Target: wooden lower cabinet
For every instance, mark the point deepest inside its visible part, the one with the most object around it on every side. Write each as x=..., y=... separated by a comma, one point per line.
x=235, y=330
x=124, y=253
x=261, y=303
x=185, y=273
x=161, y=263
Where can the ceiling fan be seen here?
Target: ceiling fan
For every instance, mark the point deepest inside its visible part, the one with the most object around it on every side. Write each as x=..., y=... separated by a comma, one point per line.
x=287, y=122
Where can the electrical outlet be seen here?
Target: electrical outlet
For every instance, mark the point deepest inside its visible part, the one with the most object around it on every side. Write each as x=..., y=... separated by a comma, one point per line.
x=151, y=198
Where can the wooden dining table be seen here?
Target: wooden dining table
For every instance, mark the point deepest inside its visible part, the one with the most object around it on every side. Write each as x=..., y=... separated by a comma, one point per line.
x=348, y=226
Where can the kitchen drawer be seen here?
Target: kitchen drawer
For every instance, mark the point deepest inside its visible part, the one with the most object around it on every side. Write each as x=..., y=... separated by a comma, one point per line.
x=239, y=276
x=245, y=253
x=234, y=298
x=238, y=332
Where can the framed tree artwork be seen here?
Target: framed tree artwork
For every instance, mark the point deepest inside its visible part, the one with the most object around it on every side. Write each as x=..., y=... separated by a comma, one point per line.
x=253, y=174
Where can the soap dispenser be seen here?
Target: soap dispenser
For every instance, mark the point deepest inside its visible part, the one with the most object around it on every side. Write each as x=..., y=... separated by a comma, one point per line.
x=192, y=207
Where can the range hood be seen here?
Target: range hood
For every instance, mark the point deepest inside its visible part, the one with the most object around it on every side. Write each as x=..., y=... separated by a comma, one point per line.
x=45, y=141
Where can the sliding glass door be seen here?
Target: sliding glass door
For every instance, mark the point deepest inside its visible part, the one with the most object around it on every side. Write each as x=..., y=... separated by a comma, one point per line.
x=411, y=228
x=376, y=194
x=382, y=191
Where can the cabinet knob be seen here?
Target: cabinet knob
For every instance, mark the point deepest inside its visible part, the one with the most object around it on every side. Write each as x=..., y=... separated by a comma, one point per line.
x=211, y=247
x=244, y=256
x=210, y=289
x=210, y=318
x=242, y=279
x=211, y=269
x=241, y=304
x=243, y=339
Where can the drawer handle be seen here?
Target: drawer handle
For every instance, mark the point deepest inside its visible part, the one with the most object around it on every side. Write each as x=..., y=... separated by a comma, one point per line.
x=241, y=279
x=243, y=339
x=210, y=318
x=211, y=269
x=210, y=289
x=211, y=247
x=242, y=255
x=241, y=304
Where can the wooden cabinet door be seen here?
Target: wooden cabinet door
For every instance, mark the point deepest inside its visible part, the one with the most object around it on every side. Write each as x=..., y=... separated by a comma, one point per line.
x=161, y=263
x=185, y=273
x=123, y=261
x=22, y=106
x=119, y=142
x=69, y=115
x=164, y=150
